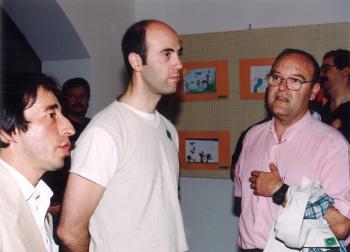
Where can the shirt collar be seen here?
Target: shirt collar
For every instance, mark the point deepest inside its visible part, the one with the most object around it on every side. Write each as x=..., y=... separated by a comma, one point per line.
x=291, y=131
x=25, y=186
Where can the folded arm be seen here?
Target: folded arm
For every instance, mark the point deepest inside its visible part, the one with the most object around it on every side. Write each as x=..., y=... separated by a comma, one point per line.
x=338, y=223
x=266, y=183
x=80, y=201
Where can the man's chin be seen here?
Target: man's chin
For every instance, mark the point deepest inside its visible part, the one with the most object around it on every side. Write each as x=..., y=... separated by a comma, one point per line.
x=62, y=163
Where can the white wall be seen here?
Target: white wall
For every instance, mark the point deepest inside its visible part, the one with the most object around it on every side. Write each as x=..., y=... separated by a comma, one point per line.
x=207, y=211
x=201, y=16
x=100, y=25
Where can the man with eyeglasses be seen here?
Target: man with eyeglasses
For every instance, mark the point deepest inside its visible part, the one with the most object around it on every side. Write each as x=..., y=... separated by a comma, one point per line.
x=335, y=76
x=292, y=146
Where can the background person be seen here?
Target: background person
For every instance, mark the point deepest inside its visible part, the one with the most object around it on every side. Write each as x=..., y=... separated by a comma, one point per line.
x=76, y=95
x=335, y=71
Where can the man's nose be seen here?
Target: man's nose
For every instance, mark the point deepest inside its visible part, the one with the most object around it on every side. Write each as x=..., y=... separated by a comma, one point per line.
x=65, y=127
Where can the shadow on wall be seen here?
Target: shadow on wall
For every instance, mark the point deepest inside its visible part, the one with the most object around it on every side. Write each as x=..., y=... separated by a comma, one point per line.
x=169, y=106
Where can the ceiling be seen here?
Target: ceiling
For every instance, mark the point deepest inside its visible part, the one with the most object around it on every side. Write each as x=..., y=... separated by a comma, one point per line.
x=46, y=28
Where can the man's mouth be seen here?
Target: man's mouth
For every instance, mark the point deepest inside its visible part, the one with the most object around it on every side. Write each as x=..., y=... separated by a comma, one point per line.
x=77, y=105
x=323, y=81
x=175, y=78
x=66, y=147
x=281, y=98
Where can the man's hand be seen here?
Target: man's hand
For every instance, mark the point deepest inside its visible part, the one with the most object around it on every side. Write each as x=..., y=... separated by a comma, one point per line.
x=55, y=208
x=266, y=183
x=337, y=123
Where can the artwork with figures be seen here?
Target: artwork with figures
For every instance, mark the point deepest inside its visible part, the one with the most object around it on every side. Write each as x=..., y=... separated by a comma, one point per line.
x=200, y=80
x=202, y=150
x=204, y=80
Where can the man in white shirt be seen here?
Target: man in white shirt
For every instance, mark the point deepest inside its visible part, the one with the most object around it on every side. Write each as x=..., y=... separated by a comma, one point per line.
x=34, y=138
x=122, y=191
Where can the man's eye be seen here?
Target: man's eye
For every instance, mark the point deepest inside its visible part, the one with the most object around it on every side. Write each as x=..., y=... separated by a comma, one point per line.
x=276, y=77
x=167, y=54
x=52, y=115
x=296, y=81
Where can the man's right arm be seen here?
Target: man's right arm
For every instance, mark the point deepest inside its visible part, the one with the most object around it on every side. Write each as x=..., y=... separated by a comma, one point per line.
x=80, y=201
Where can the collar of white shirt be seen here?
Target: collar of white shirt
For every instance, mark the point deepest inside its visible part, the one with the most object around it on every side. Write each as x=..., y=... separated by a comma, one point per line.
x=38, y=199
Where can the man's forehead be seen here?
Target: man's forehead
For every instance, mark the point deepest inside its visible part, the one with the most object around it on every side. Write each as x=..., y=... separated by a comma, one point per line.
x=76, y=89
x=45, y=98
x=296, y=60
x=162, y=32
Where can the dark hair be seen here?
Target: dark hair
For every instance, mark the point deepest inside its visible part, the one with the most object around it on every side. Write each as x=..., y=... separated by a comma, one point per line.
x=134, y=40
x=18, y=93
x=341, y=58
x=75, y=82
x=308, y=56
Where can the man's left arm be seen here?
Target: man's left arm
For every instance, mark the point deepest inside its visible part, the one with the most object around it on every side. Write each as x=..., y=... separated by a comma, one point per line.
x=338, y=223
x=267, y=183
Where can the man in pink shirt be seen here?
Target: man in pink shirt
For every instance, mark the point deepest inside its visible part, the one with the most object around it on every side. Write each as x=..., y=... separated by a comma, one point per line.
x=293, y=145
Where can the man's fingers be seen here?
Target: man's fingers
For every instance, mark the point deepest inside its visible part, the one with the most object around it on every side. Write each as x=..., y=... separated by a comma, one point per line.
x=252, y=179
x=273, y=168
x=255, y=173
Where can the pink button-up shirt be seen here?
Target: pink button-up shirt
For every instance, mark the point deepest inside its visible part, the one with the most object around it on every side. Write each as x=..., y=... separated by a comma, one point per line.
x=308, y=148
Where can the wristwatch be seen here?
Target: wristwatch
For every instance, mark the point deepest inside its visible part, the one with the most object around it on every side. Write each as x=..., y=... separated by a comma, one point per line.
x=280, y=195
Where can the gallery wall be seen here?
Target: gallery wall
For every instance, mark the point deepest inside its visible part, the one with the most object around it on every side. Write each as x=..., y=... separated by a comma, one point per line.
x=207, y=203
x=234, y=113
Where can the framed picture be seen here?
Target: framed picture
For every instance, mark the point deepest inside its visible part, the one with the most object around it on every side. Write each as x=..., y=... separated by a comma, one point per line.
x=252, y=77
x=204, y=150
x=207, y=80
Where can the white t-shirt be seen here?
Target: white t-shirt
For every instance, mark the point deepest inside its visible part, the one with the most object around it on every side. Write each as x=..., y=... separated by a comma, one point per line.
x=134, y=155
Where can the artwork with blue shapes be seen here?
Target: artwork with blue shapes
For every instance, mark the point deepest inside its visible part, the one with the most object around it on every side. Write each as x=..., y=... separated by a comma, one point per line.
x=200, y=80
x=258, y=82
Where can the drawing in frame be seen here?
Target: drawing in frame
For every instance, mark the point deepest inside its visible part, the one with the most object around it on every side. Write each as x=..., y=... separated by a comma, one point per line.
x=252, y=77
x=205, y=80
x=204, y=150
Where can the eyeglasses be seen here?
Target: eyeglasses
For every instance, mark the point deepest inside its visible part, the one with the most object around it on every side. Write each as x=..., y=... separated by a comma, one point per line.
x=293, y=84
x=326, y=67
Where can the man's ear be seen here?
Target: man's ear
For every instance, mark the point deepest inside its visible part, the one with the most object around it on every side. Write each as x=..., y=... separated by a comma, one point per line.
x=135, y=61
x=346, y=72
x=6, y=138
x=314, y=91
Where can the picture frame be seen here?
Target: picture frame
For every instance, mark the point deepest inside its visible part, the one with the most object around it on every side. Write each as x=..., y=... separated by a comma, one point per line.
x=204, y=150
x=205, y=80
x=252, y=77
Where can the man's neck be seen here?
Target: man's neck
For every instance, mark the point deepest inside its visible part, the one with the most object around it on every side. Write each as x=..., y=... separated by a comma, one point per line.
x=140, y=98
x=32, y=175
x=282, y=124
x=340, y=98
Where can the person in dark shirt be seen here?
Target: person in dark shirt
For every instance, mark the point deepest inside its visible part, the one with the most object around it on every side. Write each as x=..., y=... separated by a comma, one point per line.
x=76, y=93
x=335, y=73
